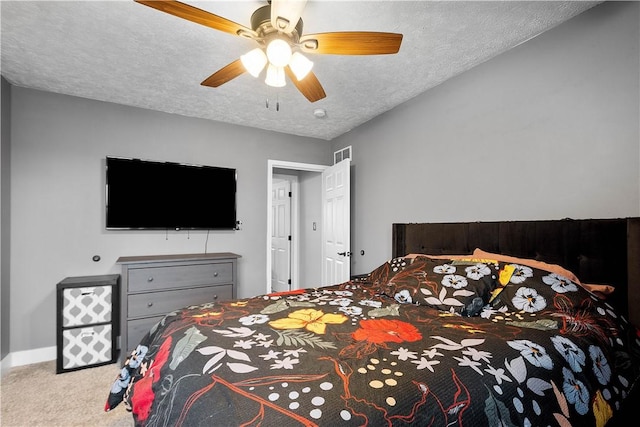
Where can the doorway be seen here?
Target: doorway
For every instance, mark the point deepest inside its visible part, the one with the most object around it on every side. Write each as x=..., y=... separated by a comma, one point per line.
x=305, y=222
x=318, y=238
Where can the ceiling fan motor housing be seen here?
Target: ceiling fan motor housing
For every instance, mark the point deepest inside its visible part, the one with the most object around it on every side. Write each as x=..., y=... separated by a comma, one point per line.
x=261, y=24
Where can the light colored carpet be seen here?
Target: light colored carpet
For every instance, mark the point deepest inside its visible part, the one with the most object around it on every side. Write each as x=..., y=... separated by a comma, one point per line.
x=34, y=395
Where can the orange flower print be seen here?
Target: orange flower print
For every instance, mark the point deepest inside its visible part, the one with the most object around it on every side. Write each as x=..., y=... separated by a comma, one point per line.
x=312, y=320
x=379, y=331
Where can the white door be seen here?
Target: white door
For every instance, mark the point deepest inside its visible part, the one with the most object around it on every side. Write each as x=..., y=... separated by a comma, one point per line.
x=336, y=229
x=281, y=236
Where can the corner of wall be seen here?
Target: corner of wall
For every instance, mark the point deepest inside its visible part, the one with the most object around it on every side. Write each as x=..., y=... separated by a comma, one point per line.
x=5, y=221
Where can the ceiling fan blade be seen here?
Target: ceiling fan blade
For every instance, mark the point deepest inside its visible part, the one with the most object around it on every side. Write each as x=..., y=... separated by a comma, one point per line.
x=285, y=14
x=351, y=43
x=310, y=86
x=199, y=16
x=225, y=74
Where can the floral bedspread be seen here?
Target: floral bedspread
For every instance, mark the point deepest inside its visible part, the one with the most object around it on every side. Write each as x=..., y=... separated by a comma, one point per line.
x=420, y=341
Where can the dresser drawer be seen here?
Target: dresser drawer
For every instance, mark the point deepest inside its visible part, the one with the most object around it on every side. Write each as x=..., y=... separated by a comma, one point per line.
x=158, y=278
x=155, y=303
x=137, y=329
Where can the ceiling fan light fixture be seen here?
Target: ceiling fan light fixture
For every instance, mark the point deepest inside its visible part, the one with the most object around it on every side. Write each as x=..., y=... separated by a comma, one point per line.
x=300, y=65
x=279, y=52
x=254, y=61
x=275, y=76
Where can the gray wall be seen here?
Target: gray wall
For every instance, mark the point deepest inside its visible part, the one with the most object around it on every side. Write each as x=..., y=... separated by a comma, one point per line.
x=311, y=241
x=57, y=161
x=5, y=223
x=548, y=130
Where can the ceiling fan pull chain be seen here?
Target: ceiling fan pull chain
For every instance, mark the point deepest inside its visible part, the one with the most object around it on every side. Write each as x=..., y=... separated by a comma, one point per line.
x=267, y=103
x=277, y=103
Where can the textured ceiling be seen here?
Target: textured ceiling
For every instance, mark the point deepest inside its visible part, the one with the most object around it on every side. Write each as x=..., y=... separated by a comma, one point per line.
x=127, y=53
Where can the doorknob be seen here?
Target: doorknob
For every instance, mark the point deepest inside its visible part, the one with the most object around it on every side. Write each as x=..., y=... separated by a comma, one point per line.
x=344, y=253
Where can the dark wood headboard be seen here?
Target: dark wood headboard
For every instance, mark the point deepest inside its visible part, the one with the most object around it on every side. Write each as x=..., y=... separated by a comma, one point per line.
x=602, y=251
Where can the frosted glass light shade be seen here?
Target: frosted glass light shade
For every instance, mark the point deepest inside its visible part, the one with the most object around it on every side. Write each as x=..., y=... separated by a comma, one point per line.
x=254, y=61
x=300, y=65
x=279, y=52
x=275, y=76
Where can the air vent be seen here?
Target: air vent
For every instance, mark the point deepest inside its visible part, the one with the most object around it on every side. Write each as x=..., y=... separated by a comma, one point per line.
x=342, y=154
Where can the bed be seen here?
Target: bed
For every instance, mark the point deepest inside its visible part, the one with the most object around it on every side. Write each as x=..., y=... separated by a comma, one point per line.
x=482, y=323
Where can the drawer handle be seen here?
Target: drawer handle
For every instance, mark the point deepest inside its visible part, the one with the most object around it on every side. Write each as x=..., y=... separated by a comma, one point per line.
x=150, y=279
x=149, y=304
x=215, y=274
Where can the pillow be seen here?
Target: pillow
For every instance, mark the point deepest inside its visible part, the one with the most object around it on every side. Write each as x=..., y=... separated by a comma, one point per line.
x=531, y=290
x=460, y=285
x=601, y=291
x=552, y=268
x=439, y=256
x=381, y=275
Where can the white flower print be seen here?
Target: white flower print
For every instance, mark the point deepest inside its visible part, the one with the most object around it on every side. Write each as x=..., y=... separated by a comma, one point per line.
x=600, y=365
x=576, y=392
x=351, y=310
x=444, y=269
x=261, y=337
x=245, y=344
x=488, y=311
x=520, y=274
x=265, y=343
x=403, y=297
x=253, y=319
x=343, y=302
x=478, y=271
x=499, y=374
x=571, y=352
x=286, y=363
x=464, y=361
x=528, y=299
x=404, y=354
x=431, y=353
x=424, y=363
x=559, y=283
x=533, y=353
x=454, y=281
x=294, y=353
x=343, y=293
x=271, y=355
x=476, y=354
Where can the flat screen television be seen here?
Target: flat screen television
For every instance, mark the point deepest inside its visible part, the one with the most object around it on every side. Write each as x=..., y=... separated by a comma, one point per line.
x=144, y=194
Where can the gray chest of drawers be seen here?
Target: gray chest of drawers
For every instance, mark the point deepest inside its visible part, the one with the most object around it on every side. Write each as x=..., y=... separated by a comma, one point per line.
x=155, y=285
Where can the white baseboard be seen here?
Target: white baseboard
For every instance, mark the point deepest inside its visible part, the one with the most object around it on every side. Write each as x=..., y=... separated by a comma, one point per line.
x=5, y=364
x=27, y=357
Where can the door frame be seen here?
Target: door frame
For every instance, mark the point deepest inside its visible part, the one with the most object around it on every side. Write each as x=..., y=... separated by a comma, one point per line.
x=295, y=246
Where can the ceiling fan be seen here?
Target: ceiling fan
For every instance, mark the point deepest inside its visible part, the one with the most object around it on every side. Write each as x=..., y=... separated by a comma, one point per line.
x=277, y=28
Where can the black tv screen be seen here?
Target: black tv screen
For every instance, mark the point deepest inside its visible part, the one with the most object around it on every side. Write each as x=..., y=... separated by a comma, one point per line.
x=143, y=194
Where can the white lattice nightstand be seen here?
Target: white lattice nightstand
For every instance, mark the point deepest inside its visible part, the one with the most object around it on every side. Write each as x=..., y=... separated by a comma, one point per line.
x=87, y=321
